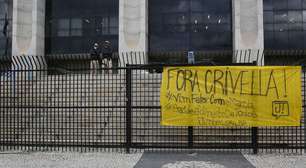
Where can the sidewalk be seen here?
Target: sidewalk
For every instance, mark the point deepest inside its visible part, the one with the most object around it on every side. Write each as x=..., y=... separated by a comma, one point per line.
x=121, y=160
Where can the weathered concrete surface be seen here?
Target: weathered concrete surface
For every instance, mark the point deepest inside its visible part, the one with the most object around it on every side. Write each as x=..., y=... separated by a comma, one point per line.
x=28, y=27
x=248, y=31
x=133, y=27
x=28, y=37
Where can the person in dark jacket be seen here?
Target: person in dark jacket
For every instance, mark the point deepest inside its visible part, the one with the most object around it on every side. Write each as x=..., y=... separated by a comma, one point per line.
x=95, y=54
x=107, y=50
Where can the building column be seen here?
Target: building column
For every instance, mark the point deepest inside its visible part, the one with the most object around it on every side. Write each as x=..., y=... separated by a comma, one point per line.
x=133, y=30
x=248, y=32
x=28, y=33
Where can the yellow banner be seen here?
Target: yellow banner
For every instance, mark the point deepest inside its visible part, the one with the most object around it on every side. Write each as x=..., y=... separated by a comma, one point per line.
x=231, y=96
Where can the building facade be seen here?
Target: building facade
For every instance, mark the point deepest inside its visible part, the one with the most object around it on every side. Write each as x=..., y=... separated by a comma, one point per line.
x=41, y=27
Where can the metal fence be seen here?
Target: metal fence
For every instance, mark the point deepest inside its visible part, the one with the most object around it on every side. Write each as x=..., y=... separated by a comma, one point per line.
x=72, y=106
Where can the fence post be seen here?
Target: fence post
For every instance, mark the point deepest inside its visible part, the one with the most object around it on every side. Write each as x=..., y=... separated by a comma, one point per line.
x=128, y=116
x=190, y=137
x=255, y=130
x=304, y=103
x=255, y=140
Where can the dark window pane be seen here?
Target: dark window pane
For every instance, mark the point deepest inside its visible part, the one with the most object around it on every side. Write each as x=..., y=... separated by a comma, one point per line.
x=281, y=40
x=2, y=9
x=113, y=22
x=269, y=39
x=113, y=30
x=76, y=45
x=304, y=40
x=216, y=6
x=63, y=33
x=102, y=25
x=88, y=27
x=76, y=32
x=63, y=24
x=295, y=16
x=63, y=27
x=280, y=4
x=76, y=27
x=268, y=5
x=294, y=4
x=296, y=39
x=171, y=6
x=1, y=26
x=268, y=17
x=269, y=27
x=289, y=24
x=280, y=27
x=189, y=25
x=295, y=26
x=76, y=21
x=281, y=17
x=198, y=18
x=2, y=43
x=198, y=5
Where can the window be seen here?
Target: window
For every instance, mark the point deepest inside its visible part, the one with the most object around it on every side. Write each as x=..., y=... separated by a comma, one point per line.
x=284, y=24
x=74, y=25
x=63, y=27
x=190, y=25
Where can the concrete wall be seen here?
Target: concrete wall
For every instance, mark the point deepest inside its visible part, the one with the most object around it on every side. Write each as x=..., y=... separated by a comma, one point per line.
x=133, y=26
x=28, y=37
x=248, y=31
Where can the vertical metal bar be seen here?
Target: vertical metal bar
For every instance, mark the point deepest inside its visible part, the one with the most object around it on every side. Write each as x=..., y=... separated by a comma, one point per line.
x=190, y=137
x=2, y=109
x=255, y=132
x=304, y=85
x=255, y=140
x=128, y=109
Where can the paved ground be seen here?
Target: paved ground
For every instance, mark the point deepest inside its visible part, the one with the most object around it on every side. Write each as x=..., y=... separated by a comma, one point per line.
x=121, y=160
x=194, y=160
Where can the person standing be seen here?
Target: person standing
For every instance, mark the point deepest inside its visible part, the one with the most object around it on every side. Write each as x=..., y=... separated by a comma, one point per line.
x=95, y=56
x=107, y=53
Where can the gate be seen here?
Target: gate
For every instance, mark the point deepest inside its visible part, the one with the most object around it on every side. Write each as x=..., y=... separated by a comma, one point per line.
x=147, y=133
x=81, y=109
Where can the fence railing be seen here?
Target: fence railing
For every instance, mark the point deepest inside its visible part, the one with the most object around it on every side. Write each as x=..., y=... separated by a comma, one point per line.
x=85, y=109
x=64, y=62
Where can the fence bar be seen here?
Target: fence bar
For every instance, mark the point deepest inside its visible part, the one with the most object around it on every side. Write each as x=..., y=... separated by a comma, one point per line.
x=255, y=140
x=190, y=137
x=128, y=109
x=304, y=105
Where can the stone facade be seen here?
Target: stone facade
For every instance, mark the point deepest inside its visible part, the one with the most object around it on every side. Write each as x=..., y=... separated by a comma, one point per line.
x=29, y=25
x=248, y=28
